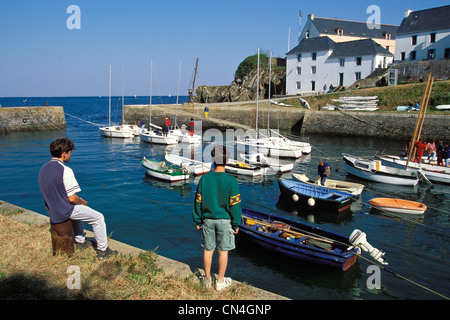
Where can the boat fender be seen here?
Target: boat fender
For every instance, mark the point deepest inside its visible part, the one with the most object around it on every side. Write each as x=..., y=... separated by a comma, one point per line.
x=311, y=202
x=359, y=240
x=295, y=197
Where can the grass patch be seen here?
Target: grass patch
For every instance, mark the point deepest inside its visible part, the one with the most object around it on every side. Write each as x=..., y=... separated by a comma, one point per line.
x=28, y=270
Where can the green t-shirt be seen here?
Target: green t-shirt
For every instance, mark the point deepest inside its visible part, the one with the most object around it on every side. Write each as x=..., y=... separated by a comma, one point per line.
x=217, y=197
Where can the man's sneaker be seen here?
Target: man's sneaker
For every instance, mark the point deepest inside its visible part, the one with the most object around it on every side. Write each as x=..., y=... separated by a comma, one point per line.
x=105, y=254
x=85, y=245
x=222, y=285
x=207, y=282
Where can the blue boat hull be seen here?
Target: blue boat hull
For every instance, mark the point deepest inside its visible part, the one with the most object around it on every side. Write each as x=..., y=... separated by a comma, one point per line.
x=324, y=198
x=336, y=256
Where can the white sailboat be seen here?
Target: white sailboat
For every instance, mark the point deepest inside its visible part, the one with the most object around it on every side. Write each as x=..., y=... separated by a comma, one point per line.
x=150, y=135
x=113, y=131
x=268, y=145
x=183, y=135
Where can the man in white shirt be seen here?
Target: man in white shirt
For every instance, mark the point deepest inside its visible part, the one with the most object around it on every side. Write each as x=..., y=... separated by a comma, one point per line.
x=59, y=189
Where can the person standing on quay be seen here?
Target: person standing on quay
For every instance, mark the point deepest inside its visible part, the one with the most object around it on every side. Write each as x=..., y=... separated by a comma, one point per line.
x=217, y=212
x=191, y=127
x=420, y=147
x=206, y=111
x=59, y=189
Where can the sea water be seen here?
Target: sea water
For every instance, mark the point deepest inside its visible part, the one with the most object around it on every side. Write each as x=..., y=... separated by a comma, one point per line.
x=156, y=215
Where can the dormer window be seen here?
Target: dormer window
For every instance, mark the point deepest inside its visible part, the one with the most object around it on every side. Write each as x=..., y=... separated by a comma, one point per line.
x=340, y=32
x=387, y=36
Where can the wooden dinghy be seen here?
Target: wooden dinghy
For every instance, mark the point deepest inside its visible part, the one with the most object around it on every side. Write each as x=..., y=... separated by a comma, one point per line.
x=350, y=187
x=398, y=205
x=194, y=167
x=164, y=171
x=297, y=240
x=315, y=197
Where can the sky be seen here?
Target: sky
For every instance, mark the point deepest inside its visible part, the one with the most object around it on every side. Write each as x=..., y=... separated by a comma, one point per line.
x=43, y=53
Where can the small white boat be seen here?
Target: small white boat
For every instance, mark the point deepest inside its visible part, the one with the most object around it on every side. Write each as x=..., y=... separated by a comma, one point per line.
x=404, y=108
x=194, y=167
x=134, y=129
x=350, y=187
x=373, y=170
x=273, y=164
x=115, y=132
x=271, y=147
x=398, y=206
x=242, y=168
x=163, y=171
x=443, y=107
x=151, y=136
x=185, y=137
x=434, y=173
x=280, y=103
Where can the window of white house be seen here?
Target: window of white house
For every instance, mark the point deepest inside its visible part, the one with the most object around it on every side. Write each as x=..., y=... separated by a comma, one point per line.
x=433, y=38
x=340, y=32
x=299, y=85
x=412, y=55
x=403, y=56
x=299, y=58
x=313, y=70
x=299, y=71
x=447, y=53
x=341, y=62
x=357, y=75
x=358, y=61
x=431, y=54
x=387, y=36
x=314, y=56
x=413, y=40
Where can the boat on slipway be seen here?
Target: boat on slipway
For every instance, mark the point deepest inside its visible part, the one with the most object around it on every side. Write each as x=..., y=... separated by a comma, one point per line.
x=303, y=242
x=434, y=173
x=163, y=171
x=373, y=170
x=316, y=197
x=345, y=186
x=194, y=167
x=398, y=206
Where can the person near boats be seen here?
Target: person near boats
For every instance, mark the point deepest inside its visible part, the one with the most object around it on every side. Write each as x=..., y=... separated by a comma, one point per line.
x=324, y=170
x=166, y=127
x=191, y=127
x=431, y=150
x=440, y=153
x=59, y=189
x=446, y=154
x=206, y=111
x=420, y=147
x=217, y=212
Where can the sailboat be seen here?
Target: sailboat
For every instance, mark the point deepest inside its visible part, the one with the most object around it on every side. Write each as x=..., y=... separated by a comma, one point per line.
x=182, y=134
x=150, y=135
x=270, y=146
x=113, y=131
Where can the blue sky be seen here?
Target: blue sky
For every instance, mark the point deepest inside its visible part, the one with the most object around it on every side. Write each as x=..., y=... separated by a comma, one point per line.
x=40, y=56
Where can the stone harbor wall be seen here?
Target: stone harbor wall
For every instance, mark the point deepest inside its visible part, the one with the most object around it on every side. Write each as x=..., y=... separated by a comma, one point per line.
x=17, y=119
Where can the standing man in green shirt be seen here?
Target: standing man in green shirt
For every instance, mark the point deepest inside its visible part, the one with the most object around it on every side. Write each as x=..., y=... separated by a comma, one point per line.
x=217, y=212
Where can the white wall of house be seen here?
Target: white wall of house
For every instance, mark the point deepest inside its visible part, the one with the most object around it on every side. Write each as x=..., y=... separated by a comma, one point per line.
x=423, y=46
x=328, y=71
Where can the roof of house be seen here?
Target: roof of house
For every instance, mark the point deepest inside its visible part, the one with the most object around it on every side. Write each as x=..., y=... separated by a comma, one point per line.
x=353, y=28
x=364, y=47
x=426, y=20
x=313, y=45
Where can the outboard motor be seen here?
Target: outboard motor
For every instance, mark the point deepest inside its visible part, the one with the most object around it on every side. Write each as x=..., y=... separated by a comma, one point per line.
x=359, y=240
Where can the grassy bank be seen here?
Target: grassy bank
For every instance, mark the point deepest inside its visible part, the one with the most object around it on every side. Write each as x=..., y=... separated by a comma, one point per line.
x=28, y=270
x=389, y=97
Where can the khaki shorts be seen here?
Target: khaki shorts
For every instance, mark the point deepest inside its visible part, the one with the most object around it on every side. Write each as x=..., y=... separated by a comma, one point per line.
x=217, y=231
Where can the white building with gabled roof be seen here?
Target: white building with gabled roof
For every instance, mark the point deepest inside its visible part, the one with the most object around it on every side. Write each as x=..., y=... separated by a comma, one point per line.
x=424, y=35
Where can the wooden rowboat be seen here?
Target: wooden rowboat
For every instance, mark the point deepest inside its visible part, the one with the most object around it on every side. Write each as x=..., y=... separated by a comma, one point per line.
x=164, y=171
x=398, y=205
x=297, y=240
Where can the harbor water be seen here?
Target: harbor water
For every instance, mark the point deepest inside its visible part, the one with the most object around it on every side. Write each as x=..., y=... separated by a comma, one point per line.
x=157, y=215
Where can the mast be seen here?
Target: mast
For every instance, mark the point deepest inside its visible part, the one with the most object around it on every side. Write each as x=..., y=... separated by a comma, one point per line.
x=178, y=90
x=122, y=94
x=191, y=90
x=109, y=101
x=257, y=94
x=268, y=98
x=150, y=118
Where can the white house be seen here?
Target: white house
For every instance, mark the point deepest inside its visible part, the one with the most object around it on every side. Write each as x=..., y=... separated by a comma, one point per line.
x=424, y=35
x=318, y=62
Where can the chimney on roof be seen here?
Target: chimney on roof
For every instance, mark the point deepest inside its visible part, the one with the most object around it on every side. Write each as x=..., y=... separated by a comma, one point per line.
x=311, y=16
x=407, y=13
